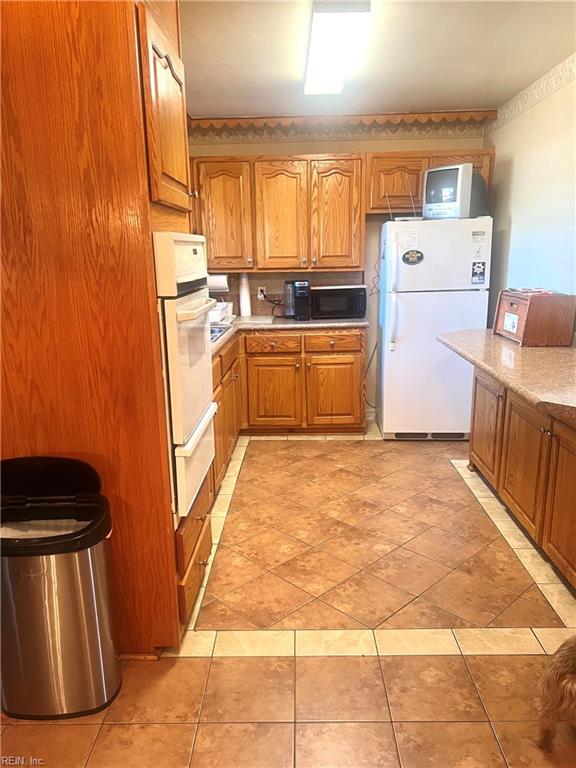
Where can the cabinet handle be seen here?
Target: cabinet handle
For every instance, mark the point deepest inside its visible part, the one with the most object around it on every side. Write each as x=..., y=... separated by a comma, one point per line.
x=314, y=259
x=250, y=261
x=297, y=366
x=308, y=365
x=304, y=262
x=273, y=344
x=332, y=342
x=194, y=193
x=499, y=397
x=203, y=563
x=201, y=517
x=546, y=431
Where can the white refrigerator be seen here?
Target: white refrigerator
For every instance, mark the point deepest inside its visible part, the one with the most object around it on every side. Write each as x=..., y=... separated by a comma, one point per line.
x=434, y=278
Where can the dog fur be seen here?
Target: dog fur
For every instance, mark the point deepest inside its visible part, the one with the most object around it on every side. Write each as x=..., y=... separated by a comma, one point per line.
x=558, y=693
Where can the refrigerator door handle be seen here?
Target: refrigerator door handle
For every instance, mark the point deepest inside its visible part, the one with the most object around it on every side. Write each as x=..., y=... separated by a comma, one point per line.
x=394, y=320
x=394, y=265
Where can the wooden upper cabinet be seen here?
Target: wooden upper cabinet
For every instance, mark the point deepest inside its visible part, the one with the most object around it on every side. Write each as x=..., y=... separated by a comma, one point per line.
x=225, y=198
x=395, y=182
x=337, y=221
x=334, y=392
x=275, y=391
x=486, y=427
x=281, y=191
x=524, y=468
x=559, y=533
x=166, y=13
x=165, y=113
x=481, y=160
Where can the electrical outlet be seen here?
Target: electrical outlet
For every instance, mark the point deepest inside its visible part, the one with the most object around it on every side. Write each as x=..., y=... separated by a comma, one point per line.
x=261, y=293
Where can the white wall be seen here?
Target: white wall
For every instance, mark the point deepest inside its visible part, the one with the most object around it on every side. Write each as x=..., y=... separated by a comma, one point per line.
x=534, y=202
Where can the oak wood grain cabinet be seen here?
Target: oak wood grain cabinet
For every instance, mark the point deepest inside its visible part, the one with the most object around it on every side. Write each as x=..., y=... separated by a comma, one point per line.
x=83, y=78
x=488, y=398
x=165, y=114
x=333, y=387
x=225, y=200
x=275, y=391
x=228, y=383
x=482, y=162
x=395, y=182
x=281, y=213
x=524, y=462
x=336, y=213
x=188, y=532
x=189, y=584
x=220, y=443
x=559, y=529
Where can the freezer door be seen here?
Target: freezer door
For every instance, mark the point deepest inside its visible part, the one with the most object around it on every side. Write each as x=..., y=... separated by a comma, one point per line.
x=424, y=386
x=441, y=255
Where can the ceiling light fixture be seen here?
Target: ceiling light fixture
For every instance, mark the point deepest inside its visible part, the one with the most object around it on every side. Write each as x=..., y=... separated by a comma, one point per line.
x=337, y=40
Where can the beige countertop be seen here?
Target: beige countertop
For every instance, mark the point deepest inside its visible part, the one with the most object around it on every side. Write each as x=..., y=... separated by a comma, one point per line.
x=267, y=322
x=545, y=376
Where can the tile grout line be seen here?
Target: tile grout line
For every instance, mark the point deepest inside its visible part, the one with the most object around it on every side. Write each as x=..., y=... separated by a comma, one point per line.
x=485, y=708
x=383, y=676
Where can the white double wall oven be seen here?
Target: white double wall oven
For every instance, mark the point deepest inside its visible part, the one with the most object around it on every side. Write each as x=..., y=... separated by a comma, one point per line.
x=183, y=307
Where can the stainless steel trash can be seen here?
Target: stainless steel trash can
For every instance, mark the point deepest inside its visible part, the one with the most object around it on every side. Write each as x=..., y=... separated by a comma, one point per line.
x=58, y=654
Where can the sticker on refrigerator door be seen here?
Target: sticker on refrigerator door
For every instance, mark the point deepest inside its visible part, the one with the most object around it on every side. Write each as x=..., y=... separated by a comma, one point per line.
x=478, y=236
x=478, y=272
x=408, y=239
x=413, y=257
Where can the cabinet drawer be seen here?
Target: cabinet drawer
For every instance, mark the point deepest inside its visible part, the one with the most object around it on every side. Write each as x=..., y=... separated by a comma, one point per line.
x=349, y=341
x=190, y=583
x=216, y=371
x=228, y=354
x=273, y=343
x=189, y=529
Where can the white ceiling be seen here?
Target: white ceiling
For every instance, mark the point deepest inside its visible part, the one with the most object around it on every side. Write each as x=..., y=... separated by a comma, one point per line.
x=246, y=58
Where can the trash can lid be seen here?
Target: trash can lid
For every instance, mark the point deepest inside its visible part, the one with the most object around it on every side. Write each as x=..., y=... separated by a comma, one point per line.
x=51, y=506
x=48, y=476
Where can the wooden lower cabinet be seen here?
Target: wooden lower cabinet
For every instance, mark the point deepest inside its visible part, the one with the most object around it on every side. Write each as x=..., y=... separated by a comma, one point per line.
x=488, y=400
x=524, y=464
x=333, y=384
x=220, y=439
x=559, y=529
x=188, y=531
x=189, y=585
x=275, y=391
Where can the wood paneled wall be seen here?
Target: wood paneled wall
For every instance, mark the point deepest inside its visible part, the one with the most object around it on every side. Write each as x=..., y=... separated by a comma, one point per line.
x=81, y=371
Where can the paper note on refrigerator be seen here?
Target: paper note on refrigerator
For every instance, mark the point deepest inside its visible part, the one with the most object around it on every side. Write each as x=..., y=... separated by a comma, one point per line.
x=408, y=240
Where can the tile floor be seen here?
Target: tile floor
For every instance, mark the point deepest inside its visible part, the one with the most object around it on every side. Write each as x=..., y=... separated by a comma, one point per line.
x=395, y=617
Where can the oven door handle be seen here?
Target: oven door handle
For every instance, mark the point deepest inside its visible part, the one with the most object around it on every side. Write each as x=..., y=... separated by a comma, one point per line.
x=185, y=451
x=184, y=315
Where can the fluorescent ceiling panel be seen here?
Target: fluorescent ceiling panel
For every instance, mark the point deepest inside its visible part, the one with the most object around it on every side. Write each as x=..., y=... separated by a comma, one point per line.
x=337, y=41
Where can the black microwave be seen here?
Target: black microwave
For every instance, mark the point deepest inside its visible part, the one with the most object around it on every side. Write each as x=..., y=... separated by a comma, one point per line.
x=338, y=302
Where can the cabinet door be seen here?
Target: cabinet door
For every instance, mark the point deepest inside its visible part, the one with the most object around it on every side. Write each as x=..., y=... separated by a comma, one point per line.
x=165, y=113
x=486, y=426
x=281, y=188
x=395, y=182
x=225, y=197
x=229, y=407
x=482, y=162
x=334, y=391
x=237, y=413
x=337, y=231
x=274, y=391
x=559, y=530
x=524, y=466
x=220, y=439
